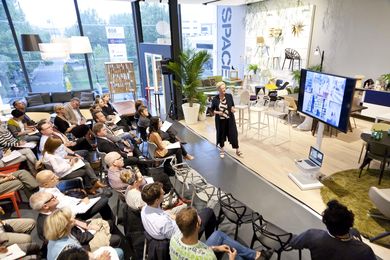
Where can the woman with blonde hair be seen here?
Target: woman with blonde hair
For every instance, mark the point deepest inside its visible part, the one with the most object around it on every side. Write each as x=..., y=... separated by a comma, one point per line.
x=62, y=165
x=225, y=122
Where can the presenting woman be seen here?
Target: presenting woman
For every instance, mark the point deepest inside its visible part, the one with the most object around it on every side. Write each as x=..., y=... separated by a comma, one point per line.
x=225, y=123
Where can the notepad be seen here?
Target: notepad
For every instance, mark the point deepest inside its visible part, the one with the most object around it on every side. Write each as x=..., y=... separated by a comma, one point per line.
x=165, y=126
x=118, y=132
x=173, y=145
x=77, y=165
x=28, y=145
x=81, y=207
x=13, y=155
x=117, y=119
x=14, y=252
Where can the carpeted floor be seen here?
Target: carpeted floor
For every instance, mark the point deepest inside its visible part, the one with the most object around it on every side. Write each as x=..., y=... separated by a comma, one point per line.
x=352, y=191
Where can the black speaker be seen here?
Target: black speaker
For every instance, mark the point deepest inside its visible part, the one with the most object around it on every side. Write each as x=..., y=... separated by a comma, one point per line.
x=164, y=68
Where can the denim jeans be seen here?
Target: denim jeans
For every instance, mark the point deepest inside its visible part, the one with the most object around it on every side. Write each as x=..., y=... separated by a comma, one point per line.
x=219, y=238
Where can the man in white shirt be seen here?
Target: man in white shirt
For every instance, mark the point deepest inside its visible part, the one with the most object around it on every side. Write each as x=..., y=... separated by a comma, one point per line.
x=48, y=181
x=159, y=224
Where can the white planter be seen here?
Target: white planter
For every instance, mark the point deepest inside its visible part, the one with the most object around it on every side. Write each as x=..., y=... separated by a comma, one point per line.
x=191, y=113
x=202, y=116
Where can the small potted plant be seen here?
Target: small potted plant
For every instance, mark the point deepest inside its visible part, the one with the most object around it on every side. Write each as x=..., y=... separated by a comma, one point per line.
x=386, y=79
x=188, y=71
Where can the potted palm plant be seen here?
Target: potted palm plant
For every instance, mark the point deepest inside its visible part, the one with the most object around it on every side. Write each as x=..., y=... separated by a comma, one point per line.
x=202, y=98
x=188, y=71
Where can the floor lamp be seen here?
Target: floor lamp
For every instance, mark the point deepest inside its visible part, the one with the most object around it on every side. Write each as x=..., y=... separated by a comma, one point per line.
x=30, y=42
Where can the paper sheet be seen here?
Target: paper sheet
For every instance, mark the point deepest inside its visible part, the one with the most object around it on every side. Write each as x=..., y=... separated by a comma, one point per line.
x=13, y=155
x=173, y=145
x=117, y=119
x=82, y=207
x=33, y=132
x=28, y=145
x=14, y=252
x=80, y=163
x=118, y=132
x=165, y=126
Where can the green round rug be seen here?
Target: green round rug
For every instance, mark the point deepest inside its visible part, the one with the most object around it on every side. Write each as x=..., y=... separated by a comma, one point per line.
x=352, y=191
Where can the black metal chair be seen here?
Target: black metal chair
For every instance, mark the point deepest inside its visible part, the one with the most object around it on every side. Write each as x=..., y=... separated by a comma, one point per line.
x=155, y=249
x=134, y=231
x=270, y=236
x=379, y=152
x=234, y=210
x=292, y=55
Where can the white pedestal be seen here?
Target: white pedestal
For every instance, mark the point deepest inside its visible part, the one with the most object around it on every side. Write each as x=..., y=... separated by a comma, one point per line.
x=305, y=181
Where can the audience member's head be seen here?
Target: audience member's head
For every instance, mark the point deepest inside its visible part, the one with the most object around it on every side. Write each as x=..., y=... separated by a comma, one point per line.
x=59, y=224
x=106, y=97
x=19, y=105
x=155, y=124
x=95, y=108
x=337, y=218
x=46, y=179
x=188, y=221
x=75, y=102
x=137, y=104
x=153, y=194
x=143, y=111
x=114, y=159
x=59, y=108
x=128, y=177
x=52, y=145
x=99, y=129
x=73, y=253
x=100, y=102
x=43, y=202
x=99, y=117
x=45, y=127
x=17, y=114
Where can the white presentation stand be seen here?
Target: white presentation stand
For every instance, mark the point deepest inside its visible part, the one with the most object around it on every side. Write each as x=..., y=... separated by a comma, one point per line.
x=308, y=180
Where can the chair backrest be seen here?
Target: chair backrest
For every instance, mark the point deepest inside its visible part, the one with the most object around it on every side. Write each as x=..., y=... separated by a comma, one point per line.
x=152, y=150
x=244, y=97
x=142, y=133
x=233, y=209
x=278, y=82
x=157, y=249
x=291, y=102
x=380, y=127
x=267, y=234
x=273, y=95
x=378, y=149
x=102, y=157
x=381, y=200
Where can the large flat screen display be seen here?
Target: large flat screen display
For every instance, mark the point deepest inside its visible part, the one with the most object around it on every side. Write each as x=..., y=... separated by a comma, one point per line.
x=326, y=97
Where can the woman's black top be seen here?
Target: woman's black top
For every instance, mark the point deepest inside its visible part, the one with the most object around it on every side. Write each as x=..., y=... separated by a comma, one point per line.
x=61, y=124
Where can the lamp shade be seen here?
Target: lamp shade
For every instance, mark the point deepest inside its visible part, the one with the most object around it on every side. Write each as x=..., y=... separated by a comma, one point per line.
x=30, y=42
x=80, y=45
x=54, y=51
x=260, y=40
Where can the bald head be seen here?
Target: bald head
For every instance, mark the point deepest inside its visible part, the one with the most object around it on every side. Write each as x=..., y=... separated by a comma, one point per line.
x=46, y=179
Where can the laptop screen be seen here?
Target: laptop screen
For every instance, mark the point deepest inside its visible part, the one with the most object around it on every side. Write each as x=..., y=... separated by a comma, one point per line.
x=316, y=156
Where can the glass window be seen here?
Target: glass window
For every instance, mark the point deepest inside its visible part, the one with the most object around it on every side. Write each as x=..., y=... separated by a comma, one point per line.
x=104, y=22
x=51, y=20
x=12, y=81
x=155, y=22
x=201, y=34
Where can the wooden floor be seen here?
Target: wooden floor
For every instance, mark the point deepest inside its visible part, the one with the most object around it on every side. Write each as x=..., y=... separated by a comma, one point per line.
x=273, y=157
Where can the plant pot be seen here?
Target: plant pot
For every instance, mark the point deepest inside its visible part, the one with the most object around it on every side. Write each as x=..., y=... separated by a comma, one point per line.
x=202, y=116
x=190, y=113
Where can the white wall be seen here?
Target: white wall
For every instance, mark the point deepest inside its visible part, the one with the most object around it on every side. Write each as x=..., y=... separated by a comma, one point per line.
x=355, y=34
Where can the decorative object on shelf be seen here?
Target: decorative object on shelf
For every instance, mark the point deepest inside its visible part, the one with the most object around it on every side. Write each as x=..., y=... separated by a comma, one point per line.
x=292, y=55
x=386, y=79
x=233, y=74
x=297, y=28
x=30, y=42
x=188, y=70
x=121, y=77
x=317, y=52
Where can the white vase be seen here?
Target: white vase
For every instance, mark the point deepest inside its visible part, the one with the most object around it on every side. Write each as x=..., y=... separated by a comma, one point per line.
x=190, y=113
x=202, y=116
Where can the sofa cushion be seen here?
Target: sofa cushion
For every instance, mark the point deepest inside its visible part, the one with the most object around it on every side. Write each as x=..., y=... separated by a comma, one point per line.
x=86, y=96
x=35, y=100
x=42, y=108
x=86, y=104
x=61, y=97
x=46, y=98
x=77, y=93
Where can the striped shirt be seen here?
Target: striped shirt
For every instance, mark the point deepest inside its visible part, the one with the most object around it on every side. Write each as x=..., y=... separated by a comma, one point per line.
x=224, y=109
x=6, y=138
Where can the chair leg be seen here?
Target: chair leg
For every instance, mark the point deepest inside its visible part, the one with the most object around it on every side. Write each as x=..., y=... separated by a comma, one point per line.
x=279, y=255
x=300, y=254
x=14, y=202
x=118, y=203
x=383, y=164
x=253, y=240
x=384, y=234
x=144, y=257
x=283, y=63
x=236, y=233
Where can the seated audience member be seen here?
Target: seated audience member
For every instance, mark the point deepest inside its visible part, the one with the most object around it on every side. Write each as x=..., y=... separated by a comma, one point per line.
x=20, y=129
x=17, y=231
x=79, y=253
x=109, y=109
x=105, y=145
x=18, y=180
x=46, y=203
x=72, y=112
x=339, y=241
x=116, y=167
x=111, y=114
x=99, y=117
x=8, y=141
x=21, y=106
x=78, y=148
x=58, y=226
x=79, y=129
x=138, y=103
x=48, y=181
x=62, y=167
x=161, y=150
x=186, y=245
x=133, y=192
x=160, y=224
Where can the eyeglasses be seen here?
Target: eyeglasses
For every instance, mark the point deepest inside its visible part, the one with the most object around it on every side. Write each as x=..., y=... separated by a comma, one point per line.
x=51, y=199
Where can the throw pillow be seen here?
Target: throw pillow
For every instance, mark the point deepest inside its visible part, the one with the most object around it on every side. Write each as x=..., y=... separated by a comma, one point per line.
x=86, y=96
x=35, y=100
x=61, y=97
x=46, y=98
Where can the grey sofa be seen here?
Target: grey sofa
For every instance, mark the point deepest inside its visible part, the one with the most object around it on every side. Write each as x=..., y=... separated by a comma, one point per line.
x=45, y=102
